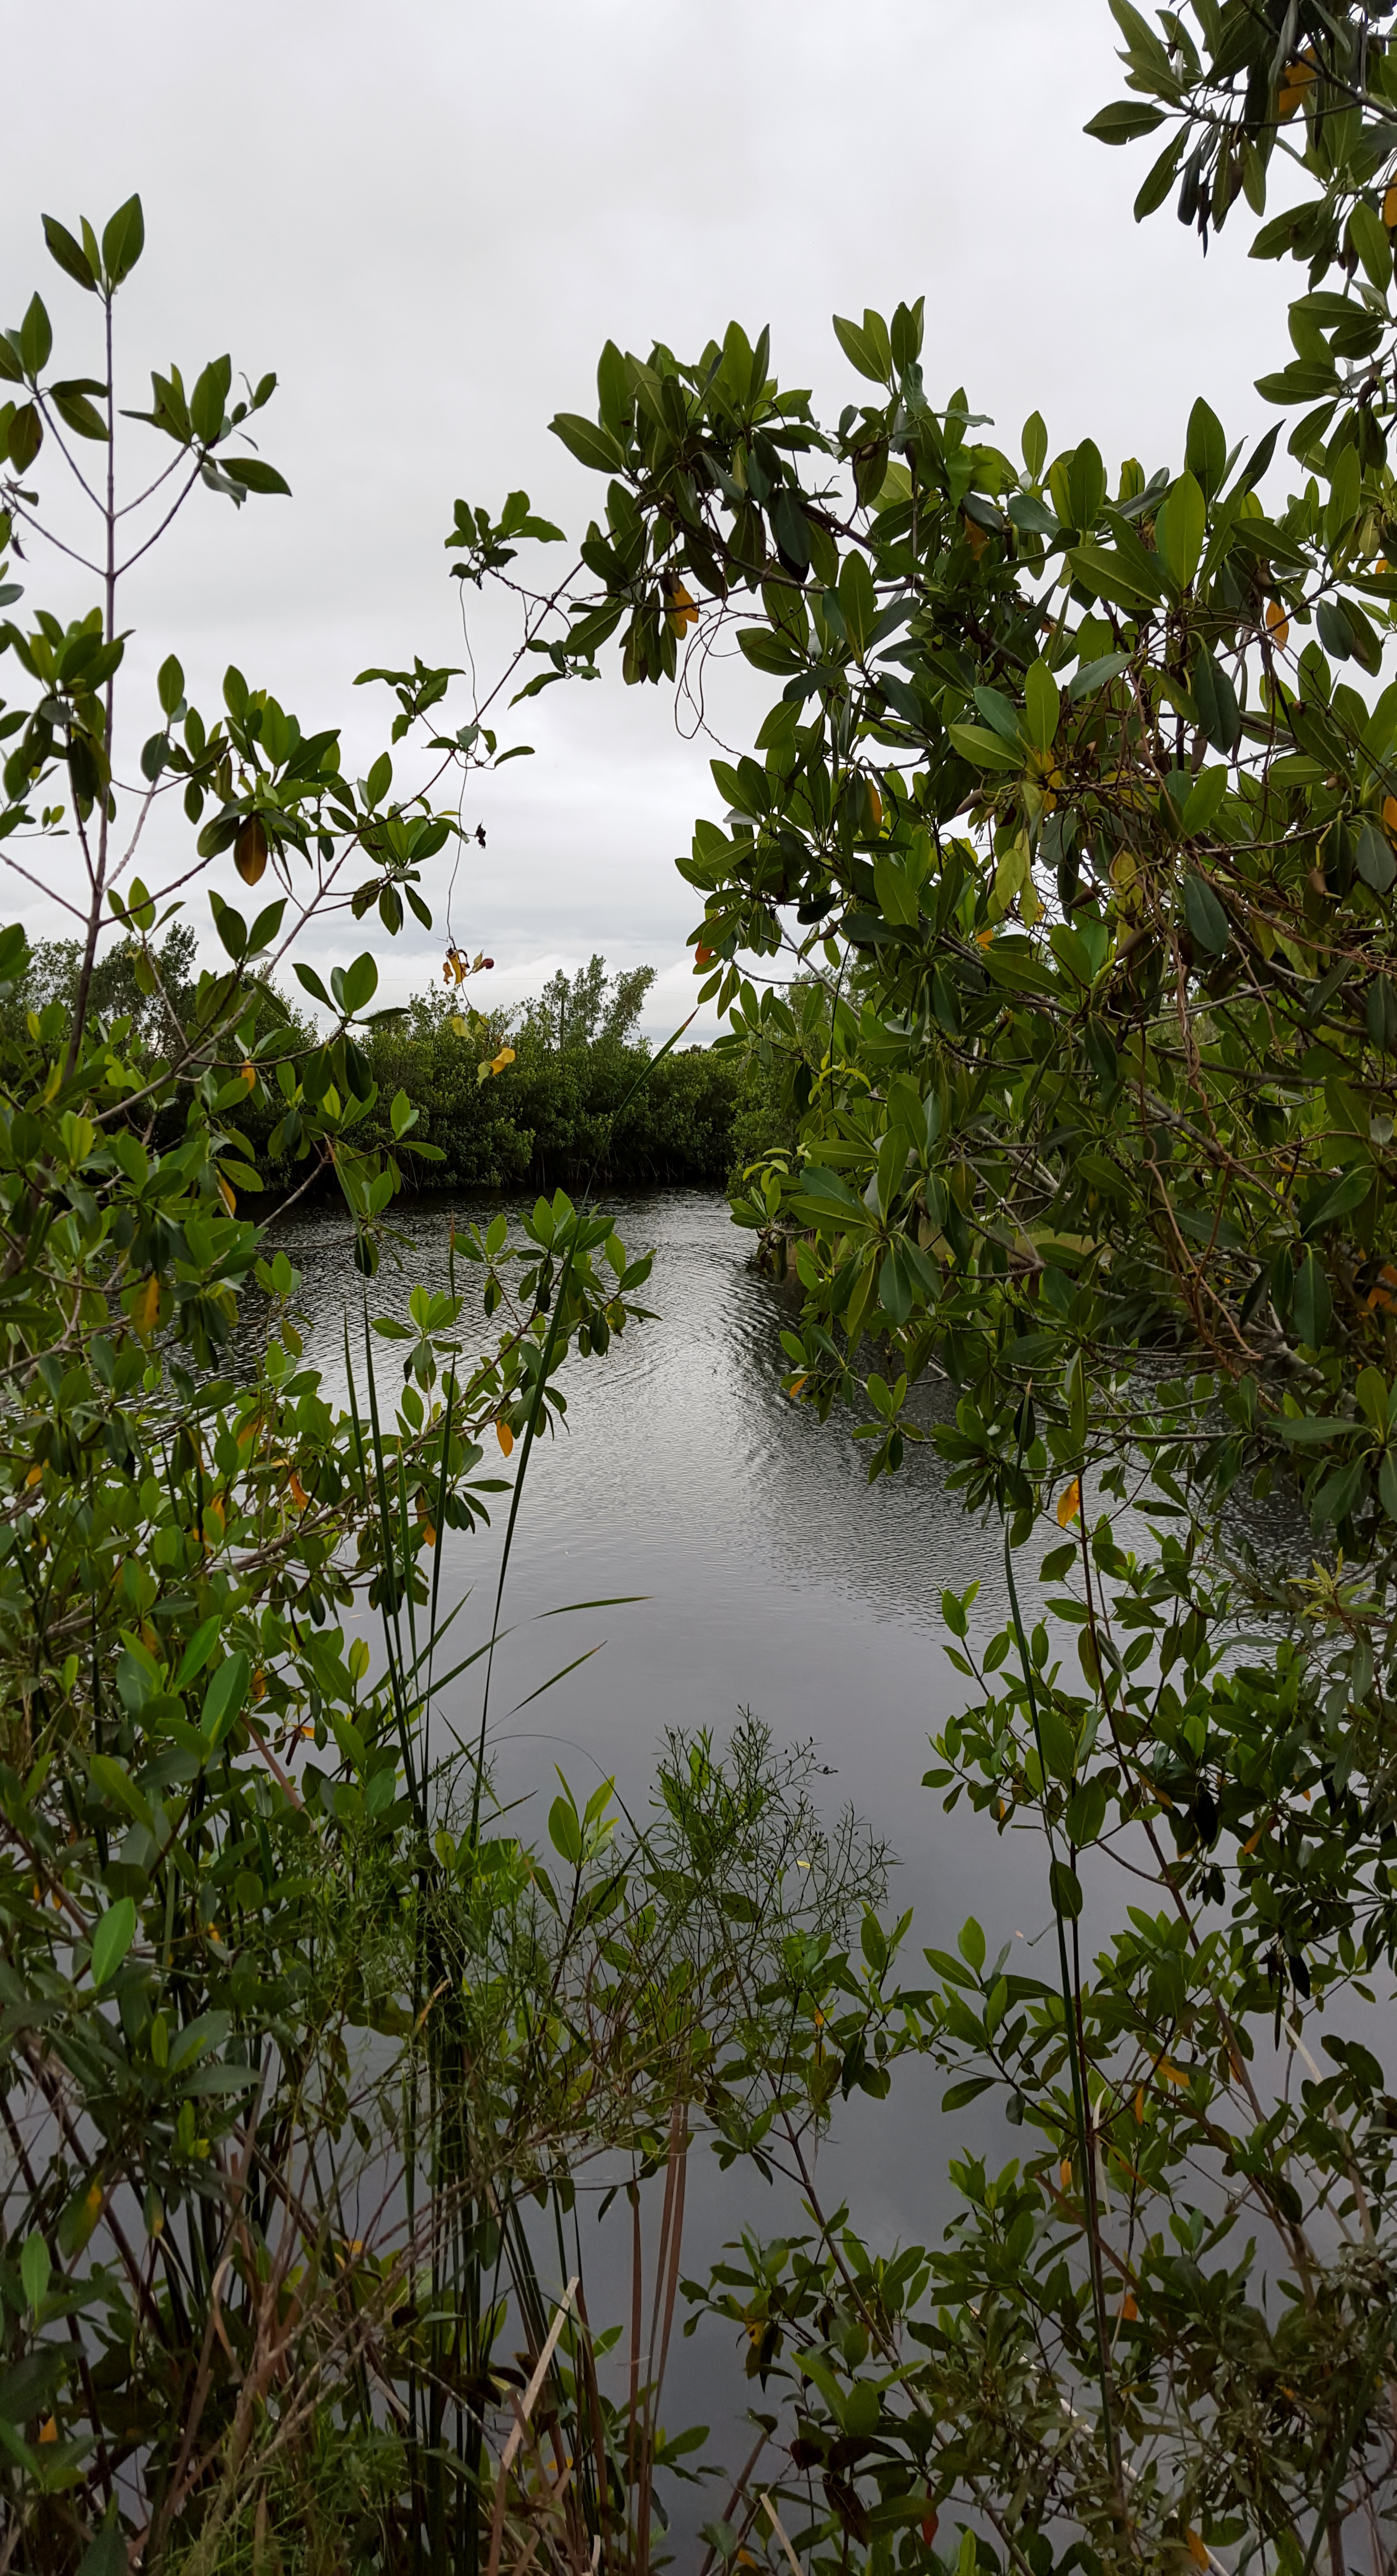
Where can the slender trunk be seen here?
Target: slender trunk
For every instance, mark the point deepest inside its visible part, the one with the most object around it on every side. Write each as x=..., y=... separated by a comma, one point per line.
x=99, y=873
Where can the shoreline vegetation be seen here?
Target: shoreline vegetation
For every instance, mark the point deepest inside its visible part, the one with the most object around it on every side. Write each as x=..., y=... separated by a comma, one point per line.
x=581, y=1099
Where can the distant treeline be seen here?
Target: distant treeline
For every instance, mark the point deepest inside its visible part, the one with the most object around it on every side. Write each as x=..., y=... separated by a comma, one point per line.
x=581, y=1100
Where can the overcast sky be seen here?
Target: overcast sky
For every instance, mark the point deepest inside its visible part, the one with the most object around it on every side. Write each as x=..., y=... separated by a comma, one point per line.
x=429, y=218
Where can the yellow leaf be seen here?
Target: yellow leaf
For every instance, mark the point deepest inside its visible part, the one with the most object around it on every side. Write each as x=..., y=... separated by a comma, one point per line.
x=299, y=1496
x=704, y=956
x=1389, y=816
x=1196, y=2550
x=1129, y=2311
x=498, y=1062
x=1171, y=2074
x=983, y=938
x=226, y=1194
x=1069, y=1503
x=976, y=537
x=145, y=1313
x=1295, y=80
x=250, y=850
x=874, y=803
x=1140, y=2107
x=35, y=1475
x=259, y=1685
x=48, y=2430
x=794, y=1388
x=1278, y=624
x=250, y=1076
x=504, y=1436
x=429, y=1534
x=1065, y=2173
x=1389, y=207
x=682, y=612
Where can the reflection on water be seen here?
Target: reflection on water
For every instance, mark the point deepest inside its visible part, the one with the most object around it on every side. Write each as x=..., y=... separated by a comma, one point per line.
x=773, y=1578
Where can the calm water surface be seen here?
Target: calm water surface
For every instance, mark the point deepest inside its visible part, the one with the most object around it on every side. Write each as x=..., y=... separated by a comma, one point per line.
x=775, y=1579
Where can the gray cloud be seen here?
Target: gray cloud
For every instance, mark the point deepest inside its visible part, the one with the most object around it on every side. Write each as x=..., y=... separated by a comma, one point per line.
x=428, y=219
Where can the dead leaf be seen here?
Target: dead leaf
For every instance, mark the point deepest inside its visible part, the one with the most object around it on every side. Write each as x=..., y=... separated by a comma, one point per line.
x=145, y=1310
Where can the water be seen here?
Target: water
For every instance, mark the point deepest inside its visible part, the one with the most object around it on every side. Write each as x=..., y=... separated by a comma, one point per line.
x=773, y=1579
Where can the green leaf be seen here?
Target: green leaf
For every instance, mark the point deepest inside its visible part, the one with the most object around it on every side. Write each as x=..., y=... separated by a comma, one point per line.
x=589, y=442
x=1103, y=570
x=897, y=895
x=968, y=2089
x=35, y=337
x=26, y=436
x=1205, y=452
x=1066, y=1890
x=1311, y=1304
x=1124, y=121
x=359, y=985
x=1059, y=1749
x=1041, y=705
x=1335, y=632
x=115, y=1931
x=80, y=415
x=1348, y=1193
x=987, y=750
x=1203, y=800
x=35, y=2267
x=253, y=475
x=1373, y=244
x=1208, y=923
x=224, y=1698
x=70, y=255
x=859, y=351
x=565, y=1831
x=123, y=241
x=106, y=2554
x=777, y=654
x=265, y=927
x=1157, y=185
x=307, y=976
x=169, y=685
x=1180, y=527
x=859, y=601
x=1216, y=701
x=1374, y=860
x=1094, y=675
x=232, y=929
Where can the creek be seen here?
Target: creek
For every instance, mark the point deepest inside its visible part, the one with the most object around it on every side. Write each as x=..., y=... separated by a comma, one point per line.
x=773, y=1578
